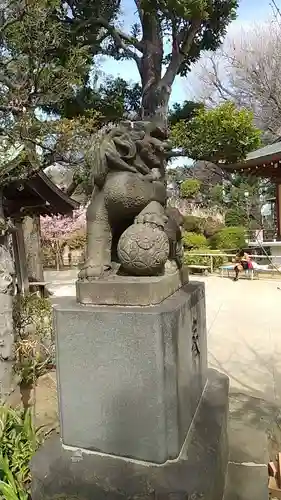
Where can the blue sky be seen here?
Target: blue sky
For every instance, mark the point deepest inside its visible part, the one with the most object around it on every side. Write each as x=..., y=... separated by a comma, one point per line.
x=249, y=11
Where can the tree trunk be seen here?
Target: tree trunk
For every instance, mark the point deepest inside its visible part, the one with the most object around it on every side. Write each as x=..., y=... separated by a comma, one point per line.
x=155, y=95
x=154, y=104
x=32, y=239
x=157, y=87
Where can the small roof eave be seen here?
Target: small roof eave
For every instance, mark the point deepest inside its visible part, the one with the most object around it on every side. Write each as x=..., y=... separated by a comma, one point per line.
x=266, y=155
x=39, y=195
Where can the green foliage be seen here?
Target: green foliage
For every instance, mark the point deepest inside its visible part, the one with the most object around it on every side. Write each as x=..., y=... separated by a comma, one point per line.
x=113, y=99
x=192, y=26
x=33, y=326
x=235, y=217
x=194, y=240
x=184, y=111
x=217, y=194
x=229, y=238
x=46, y=60
x=201, y=260
x=225, y=134
x=193, y=224
x=41, y=66
x=210, y=16
x=190, y=188
x=18, y=443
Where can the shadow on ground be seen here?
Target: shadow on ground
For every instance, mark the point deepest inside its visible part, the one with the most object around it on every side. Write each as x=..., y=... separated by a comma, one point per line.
x=256, y=410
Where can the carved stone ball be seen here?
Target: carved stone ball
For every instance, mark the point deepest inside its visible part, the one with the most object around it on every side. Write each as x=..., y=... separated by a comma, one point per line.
x=143, y=250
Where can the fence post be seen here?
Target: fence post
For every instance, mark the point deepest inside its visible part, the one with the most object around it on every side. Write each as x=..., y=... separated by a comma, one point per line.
x=212, y=264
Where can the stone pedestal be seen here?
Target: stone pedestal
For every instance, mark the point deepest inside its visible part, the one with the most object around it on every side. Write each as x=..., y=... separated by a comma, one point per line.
x=141, y=416
x=197, y=474
x=116, y=290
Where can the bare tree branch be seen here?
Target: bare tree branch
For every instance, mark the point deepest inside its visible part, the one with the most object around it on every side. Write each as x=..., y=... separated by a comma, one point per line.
x=247, y=71
x=224, y=92
x=119, y=36
x=179, y=53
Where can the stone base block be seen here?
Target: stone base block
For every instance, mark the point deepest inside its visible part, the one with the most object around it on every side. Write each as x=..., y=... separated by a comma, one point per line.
x=198, y=473
x=131, y=290
x=130, y=378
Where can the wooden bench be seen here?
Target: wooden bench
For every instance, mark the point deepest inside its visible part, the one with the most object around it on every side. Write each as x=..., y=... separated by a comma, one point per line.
x=40, y=285
x=251, y=273
x=196, y=267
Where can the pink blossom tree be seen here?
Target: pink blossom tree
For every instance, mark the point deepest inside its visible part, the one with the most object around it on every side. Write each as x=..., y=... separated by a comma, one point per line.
x=58, y=230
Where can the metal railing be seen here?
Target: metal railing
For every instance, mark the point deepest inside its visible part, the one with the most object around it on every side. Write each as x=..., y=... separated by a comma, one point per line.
x=213, y=256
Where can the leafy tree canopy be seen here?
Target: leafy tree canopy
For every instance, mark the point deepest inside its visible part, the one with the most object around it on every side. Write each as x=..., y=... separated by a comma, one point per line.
x=34, y=75
x=221, y=135
x=114, y=99
x=184, y=111
x=166, y=34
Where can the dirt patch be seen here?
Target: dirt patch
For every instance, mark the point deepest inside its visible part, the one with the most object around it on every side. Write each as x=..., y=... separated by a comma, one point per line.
x=45, y=401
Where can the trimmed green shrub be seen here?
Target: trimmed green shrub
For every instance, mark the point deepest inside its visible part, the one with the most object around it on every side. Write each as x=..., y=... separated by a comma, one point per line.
x=201, y=260
x=235, y=217
x=190, y=188
x=217, y=194
x=194, y=240
x=229, y=238
x=33, y=325
x=193, y=224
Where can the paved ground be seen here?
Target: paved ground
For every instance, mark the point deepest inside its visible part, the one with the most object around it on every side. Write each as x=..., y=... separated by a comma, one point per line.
x=244, y=330
x=244, y=334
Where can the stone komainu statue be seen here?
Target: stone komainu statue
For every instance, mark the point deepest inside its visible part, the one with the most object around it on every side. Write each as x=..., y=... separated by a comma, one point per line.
x=126, y=220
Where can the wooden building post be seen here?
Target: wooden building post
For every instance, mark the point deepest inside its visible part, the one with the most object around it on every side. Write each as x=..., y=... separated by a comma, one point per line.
x=278, y=210
x=20, y=258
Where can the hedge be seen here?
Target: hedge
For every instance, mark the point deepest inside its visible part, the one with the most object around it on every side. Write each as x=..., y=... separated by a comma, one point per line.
x=229, y=238
x=194, y=240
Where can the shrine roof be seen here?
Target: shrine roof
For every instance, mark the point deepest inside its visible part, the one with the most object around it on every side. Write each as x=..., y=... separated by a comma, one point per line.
x=37, y=195
x=263, y=162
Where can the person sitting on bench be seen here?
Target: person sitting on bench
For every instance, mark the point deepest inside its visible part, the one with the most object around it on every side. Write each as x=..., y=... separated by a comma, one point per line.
x=243, y=261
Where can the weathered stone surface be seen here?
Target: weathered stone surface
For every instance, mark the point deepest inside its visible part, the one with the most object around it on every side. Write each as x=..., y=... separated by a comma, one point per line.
x=131, y=291
x=130, y=378
x=143, y=250
x=246, y=483
x=127, y=164
x=7, y=379
x=199, y=472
